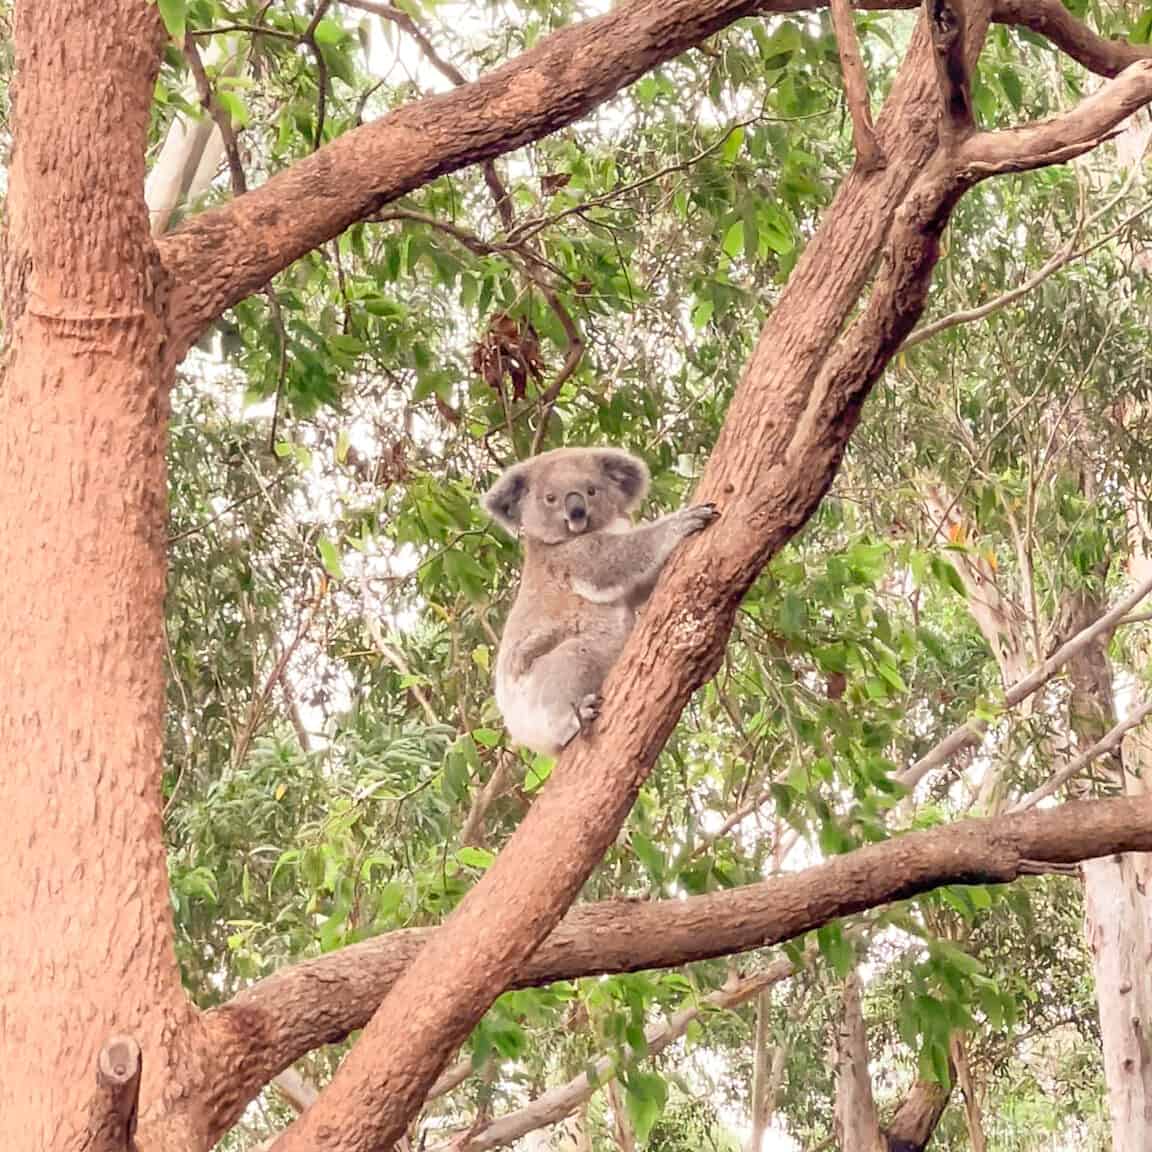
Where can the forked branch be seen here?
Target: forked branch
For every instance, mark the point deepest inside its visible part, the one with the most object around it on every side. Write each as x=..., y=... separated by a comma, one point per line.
x=220, y=256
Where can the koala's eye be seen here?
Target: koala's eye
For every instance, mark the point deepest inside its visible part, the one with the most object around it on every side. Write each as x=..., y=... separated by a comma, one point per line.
x=591, y=489
x=550, y=498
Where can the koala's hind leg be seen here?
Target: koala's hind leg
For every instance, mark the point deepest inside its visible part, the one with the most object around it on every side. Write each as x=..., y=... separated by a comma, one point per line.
x=558, y=698
x=587, y=710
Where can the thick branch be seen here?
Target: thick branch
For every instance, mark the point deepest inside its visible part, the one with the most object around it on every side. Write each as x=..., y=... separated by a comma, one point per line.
x=1062, y=138
x=225, y=254
x=272, y=1024
x=914, y=1123
x=1050, y=19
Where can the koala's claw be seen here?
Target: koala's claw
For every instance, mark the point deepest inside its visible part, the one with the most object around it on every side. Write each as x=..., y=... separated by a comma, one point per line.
x=699, y=516
x=588, y=709
x=585, y=712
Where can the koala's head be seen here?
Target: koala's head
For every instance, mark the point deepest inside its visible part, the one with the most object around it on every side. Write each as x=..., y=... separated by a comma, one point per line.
x=567, y=492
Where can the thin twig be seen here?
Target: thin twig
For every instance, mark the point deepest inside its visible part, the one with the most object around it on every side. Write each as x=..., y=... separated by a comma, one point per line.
x=260, y=701
x=393, y=656
x=1067, y=255
x=282, y=367
x=972, y=730
x=1107, y=743
x=503, y=203
x=198, y=528
x=252, y=29
x=309, y=38
x=559, y=1102
x=535, y=225
x=219, y=114
x=520, y=244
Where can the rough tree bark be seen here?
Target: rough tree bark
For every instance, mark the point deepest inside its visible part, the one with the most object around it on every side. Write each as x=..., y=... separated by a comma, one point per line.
x=86, y=946
x=93, y=335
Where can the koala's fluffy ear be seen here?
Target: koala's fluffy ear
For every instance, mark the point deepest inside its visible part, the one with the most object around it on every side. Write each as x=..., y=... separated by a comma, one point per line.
x=504, y=500
x=626, y=472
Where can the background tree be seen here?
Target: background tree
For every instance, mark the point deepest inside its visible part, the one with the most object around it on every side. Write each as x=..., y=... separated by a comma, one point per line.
x=394, y=312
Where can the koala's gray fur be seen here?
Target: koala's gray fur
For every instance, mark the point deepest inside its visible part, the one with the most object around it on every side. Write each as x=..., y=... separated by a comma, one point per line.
x=586, y=572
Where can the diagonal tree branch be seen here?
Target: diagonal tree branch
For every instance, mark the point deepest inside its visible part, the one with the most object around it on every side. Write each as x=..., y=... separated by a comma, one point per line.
x=1109, y=742
x=1050, y=19
x=855, y=85
x=1068, y=254
x=225, y=254
x=552, y=1106
x=1062, y=138
x=972, y=731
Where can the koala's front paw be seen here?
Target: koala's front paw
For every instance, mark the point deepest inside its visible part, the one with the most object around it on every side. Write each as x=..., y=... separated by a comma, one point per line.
x=698, y=517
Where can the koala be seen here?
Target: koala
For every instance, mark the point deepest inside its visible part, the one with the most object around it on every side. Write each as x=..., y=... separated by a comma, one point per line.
x=587, y=570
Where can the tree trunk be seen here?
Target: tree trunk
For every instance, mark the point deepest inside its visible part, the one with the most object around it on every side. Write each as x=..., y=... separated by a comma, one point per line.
x=1115, y=930
x=914, y=1123
x=767, y=1069
x=857, y=1126
x=973, y=1114
x=86, y=948
x=1114, y=906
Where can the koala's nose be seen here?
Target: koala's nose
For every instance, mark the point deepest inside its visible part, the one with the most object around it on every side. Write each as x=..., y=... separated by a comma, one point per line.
x=574, y=507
